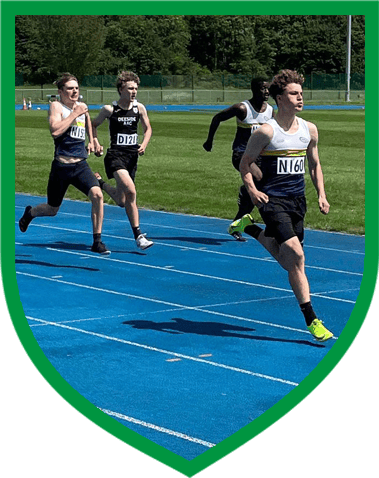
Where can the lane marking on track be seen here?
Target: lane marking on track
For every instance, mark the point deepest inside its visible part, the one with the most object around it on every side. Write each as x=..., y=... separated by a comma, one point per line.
x=167, y=213
x=167, y=352
x=158, y=428
x=185, y=247
x=195, y=274
x=158, y=301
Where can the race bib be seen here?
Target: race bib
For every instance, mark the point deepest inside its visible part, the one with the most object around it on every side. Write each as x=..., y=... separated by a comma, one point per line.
x=78, y=132
x=295, y=165
x=127, y=139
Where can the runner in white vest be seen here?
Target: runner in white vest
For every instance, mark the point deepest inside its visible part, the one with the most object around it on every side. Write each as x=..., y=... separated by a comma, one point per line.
x=284, y=143
x=250, y=115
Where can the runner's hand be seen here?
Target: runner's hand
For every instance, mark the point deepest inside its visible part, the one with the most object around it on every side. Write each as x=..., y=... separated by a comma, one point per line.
x=259, y=198
x=323, y=205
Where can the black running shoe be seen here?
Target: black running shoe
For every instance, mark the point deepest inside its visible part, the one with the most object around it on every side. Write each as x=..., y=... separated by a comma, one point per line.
x=26, y=219
x=100, y=248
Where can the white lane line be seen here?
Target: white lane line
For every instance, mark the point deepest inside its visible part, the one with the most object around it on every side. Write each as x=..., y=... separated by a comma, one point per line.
x=177, y=306
x=167, y=213
x=158, y=428
x=165, y=311
x=204, y=249
x=177, y=271
x=166, y=352
x=212, y=233
x=196, y=274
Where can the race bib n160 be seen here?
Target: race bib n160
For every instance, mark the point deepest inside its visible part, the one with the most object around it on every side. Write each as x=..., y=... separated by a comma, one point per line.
x=294, y=165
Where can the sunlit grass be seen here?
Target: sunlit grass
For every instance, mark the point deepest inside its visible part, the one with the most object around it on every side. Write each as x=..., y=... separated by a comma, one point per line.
x=176, y=174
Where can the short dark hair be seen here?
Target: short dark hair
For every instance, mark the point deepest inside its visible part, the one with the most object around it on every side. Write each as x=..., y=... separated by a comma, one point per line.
x=124, y=77
x=256, y=83
x=282, y=79
x=63, y=79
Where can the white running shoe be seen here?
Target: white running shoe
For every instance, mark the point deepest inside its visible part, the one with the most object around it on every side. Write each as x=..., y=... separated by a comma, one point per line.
x=143, y=243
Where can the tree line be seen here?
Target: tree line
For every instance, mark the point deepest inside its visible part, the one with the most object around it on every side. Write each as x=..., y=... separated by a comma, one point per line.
x=256, y=45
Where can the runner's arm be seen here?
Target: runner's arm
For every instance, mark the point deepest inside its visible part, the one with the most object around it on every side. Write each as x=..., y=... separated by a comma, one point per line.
x=147, y=130
x=238, y=110
x=104, y=113
x=59, y=125
x=315, y=170
x=259, y=139
x=90, y=145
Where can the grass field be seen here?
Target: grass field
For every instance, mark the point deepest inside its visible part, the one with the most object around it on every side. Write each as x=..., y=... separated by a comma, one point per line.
x=176, y=174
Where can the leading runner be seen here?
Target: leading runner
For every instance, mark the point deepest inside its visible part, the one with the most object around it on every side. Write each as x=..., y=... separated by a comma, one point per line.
x=283, y=144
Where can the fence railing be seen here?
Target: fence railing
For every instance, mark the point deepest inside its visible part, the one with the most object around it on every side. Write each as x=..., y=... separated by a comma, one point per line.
x=180, y=96
x=313, y=81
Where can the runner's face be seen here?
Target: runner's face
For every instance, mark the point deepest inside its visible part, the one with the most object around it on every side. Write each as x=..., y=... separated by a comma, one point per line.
x=129, y=91
x=292, y=97
x=70, y=91
x=263, y=92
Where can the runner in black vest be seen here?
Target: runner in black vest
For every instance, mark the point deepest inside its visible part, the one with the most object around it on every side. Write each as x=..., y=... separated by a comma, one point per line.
x=122, y=155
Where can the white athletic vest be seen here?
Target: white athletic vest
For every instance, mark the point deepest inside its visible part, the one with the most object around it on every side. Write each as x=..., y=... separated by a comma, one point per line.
x=252, y=121
x=283, y=161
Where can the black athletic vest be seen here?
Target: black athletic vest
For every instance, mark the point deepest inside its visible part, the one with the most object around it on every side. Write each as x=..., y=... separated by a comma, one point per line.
x=123, y=127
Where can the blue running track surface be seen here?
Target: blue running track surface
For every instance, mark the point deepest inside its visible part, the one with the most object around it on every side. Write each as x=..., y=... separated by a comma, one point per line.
x=189, y=341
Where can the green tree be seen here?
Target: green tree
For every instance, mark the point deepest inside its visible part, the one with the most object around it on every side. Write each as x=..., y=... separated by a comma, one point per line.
x=358, y=44
x=147, y=45
x=222, y=43
x=248, y=45
x=47, y=45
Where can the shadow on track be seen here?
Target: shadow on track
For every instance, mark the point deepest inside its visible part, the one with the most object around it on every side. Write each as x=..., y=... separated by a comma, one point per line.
x=215, y=329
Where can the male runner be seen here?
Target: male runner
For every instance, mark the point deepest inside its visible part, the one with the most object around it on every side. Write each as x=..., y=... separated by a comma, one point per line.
x=250, y=114
x=122, y=156
x=69, y=121
x=283, y=145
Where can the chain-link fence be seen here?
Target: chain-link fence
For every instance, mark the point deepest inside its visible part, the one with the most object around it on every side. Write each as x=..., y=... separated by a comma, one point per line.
x=189, y=89
x=314, y=81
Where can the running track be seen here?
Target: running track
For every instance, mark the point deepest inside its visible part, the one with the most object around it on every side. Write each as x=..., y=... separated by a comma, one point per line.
x=189, y=341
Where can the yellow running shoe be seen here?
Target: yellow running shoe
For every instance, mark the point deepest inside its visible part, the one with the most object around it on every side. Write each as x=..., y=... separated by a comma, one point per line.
x=240, y=224
x=319, y=331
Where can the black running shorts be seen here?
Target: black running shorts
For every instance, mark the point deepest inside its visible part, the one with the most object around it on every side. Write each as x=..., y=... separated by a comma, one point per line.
x=62, y=175
x=115, y=160
x=284, y=218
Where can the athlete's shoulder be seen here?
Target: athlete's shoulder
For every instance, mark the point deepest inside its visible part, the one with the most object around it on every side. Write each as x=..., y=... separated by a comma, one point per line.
x=141, y=107
x=270, y=124
x=312, y=128
x=55, y=106
x=55, y=109
x=265, y=131
x=107, y=110
x=240, y=110
x=270, y=111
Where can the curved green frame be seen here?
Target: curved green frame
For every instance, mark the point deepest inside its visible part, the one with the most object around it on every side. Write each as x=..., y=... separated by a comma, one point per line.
x=189, y=468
